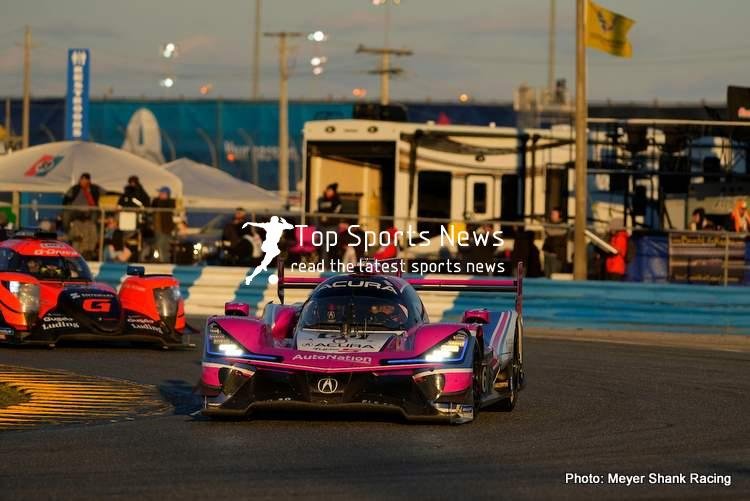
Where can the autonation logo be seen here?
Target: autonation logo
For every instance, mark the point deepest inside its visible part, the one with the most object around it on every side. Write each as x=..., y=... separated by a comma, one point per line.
x=369, y=240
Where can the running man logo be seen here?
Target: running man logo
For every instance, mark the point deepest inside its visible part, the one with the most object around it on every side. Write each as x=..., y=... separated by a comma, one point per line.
x=270, y=246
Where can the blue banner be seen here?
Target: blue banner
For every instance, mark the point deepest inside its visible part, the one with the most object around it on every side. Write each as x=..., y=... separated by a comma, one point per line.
x=77, y=96
x=239, y=137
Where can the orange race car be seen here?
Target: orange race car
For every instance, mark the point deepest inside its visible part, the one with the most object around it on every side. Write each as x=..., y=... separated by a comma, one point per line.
x=47, y=294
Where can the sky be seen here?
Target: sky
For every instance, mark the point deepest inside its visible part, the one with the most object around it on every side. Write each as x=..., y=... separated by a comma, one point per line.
x=683, y=50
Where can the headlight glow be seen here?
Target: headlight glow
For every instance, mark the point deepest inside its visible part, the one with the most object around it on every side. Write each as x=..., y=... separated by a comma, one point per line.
x=28, y=297
x=221, y=344
x=167, y=300
x=452, y=349
x=448, y=351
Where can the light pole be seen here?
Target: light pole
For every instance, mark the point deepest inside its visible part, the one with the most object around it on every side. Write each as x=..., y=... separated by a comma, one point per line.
x=551, y=50
x=26, y=88
x=580, y=271
x=256, y=52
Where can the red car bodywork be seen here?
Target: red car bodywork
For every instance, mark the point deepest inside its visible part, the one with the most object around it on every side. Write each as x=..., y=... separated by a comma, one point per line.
x=47, y=294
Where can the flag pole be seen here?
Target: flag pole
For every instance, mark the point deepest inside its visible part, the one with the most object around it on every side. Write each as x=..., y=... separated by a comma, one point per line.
x=581, y=188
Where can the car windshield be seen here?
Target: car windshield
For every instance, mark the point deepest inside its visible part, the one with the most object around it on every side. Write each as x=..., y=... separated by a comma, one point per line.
x=355, y=312
x=54, y=267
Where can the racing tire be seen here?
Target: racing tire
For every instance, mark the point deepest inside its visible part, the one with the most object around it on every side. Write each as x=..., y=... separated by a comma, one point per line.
x=476, y=381
x=514, y=380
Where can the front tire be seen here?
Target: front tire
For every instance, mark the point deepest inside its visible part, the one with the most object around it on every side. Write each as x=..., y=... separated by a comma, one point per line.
x=514, y=380
x=475, y=400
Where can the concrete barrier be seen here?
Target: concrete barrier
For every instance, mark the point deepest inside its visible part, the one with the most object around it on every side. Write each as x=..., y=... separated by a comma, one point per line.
x=547, y=303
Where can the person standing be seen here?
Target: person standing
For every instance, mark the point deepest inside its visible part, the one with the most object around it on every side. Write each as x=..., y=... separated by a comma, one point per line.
x=82, y=194
x=740, y=217
x=525, y=250
x=329, y=203
x=698, y=221
x=163, y=224
x=83, y=236
x=555, y=245
x=133, y=195
x=232, y=231
x=616, y=264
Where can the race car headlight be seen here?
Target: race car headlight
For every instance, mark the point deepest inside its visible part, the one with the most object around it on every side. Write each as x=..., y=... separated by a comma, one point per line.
x=28, y=297
x=219, y=343
x=167, y=300
x=450, y=350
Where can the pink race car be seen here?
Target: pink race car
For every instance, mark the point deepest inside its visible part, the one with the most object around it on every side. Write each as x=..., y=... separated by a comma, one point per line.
x=364, y=342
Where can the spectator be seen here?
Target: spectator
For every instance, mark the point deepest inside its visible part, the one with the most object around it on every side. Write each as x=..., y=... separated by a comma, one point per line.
x=247, y=250
x=82, y=194
x=555, y=245
x=699, y=221
x=616, y=264
x=232, y=231
x=740, y=217
x=389, y=251
x=133, y=195
x=483, y=250
x=329, y=203
x=115, y=250
x=525, y=250
x=83, y=236
x=3, y=226
x=163, y=224
x=47, y=225
x=182, y=229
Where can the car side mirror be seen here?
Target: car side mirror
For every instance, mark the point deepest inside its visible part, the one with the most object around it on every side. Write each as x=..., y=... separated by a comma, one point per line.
x=136, y=271
x=476, y=316
x=237, y=309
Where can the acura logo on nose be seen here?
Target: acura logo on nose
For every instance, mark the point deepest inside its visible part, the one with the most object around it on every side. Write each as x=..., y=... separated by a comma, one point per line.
x=328, y=385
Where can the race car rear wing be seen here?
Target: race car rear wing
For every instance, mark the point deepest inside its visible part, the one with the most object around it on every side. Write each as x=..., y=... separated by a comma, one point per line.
x=428, y=284
x=475, y=285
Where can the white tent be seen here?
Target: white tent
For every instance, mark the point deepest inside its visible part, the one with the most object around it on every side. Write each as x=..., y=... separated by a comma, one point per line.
x=55, y=167
x=208, y=187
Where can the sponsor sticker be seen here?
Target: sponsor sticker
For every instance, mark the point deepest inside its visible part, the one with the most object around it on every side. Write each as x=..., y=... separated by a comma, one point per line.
x=357, y=359
x=335, y=342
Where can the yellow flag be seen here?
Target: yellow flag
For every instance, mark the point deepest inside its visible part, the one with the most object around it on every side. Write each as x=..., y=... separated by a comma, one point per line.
x=608, y=31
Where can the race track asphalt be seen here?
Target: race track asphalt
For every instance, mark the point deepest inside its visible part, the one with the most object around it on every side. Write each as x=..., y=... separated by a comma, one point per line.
x=589, y=408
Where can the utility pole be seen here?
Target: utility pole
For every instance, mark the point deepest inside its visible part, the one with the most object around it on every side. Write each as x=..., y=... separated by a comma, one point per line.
x=580, y=271
x=7, y=116
x=256, y=52
x=26, y=87
x=283, y=109
x=385, y=70
x=551, y=50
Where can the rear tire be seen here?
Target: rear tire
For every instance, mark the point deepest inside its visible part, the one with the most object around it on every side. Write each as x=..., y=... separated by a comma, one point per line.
x=477, y=379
